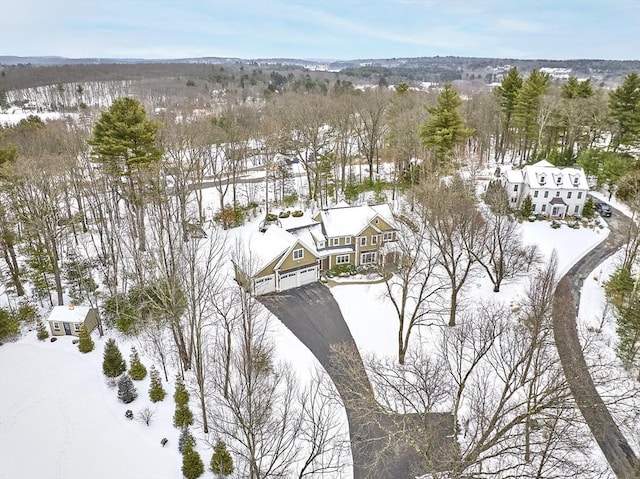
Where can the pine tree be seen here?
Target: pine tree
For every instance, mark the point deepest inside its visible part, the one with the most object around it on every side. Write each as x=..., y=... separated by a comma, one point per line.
x=588, y=210
x=624, y=103
x=137, y=370
x=113, y=364
x=507, y=94
x=43, y=332
x=221, y=460
x=526, y=209
x=185, y=436
x=156, y=391
x=183, y=416
x=192, y=465
x=126, y=390
x=181, y=395
x=85, y=343
x=445, y=128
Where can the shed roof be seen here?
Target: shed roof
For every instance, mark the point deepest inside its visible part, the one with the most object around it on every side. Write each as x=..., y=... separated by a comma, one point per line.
x=69, y=314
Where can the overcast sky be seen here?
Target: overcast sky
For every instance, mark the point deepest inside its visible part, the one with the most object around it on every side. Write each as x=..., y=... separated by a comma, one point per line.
x=342, y=29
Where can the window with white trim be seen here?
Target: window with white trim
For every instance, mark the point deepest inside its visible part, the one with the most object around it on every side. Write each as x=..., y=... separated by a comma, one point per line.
x=544, y=208
x=557, y=194
x=533, y=207
x=76, y=327
x=298, y=254
x=368, y=258
x=535, y=194
x=363, y=241
x=579, y=195
x=515, y=187
x=575, y=210
x=387, y=237
x=374, y=239
x=347, y=240
x=335, y=242
x=546, y=194
x=56, y=325
x=569, y=195
x=320, y=244
x=342, y=259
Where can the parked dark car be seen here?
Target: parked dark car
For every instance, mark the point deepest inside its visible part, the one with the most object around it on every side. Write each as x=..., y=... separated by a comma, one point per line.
x=603, y=208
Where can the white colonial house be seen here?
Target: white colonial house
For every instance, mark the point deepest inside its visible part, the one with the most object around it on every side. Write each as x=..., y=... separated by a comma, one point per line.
x=555, y=192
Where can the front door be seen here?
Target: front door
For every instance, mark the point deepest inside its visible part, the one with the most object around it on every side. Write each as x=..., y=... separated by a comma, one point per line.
x=67, y=329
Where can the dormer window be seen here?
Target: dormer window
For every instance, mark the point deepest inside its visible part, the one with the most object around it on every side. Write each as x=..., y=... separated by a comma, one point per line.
x=542, y=179
x=576, y=181
x=559, y=180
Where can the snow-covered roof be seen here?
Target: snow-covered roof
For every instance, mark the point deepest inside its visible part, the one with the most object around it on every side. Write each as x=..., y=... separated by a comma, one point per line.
x=351, y=220
x=514, y=176
x=544, y=175
x=263, y=248
x=69, y=314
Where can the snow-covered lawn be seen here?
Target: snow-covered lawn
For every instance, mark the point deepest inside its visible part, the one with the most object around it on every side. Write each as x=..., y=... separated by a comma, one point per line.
x=372, y=319
x=59, y=419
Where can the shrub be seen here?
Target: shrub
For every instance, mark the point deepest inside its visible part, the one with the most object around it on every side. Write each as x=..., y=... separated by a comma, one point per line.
x=137, y=371
x=270, y=217
x=297, y=214
x=555, y=225
x=9, y=325
x=113, y=365
x=284, y=214
x=343, y=269
x=588, y=210
x=290, y=200
x=156, y=391
x=221, y=461
x=185, y=437
x=126, y=390
x=43, y=332
x=85, y=343
x=129, y=414
x=192, y=465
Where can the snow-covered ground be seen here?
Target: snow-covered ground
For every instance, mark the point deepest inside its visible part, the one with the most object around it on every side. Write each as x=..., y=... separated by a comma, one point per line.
x=59, y=419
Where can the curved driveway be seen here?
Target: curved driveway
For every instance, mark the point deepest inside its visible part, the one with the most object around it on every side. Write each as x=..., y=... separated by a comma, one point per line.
x=613, y=444
x=378, y=439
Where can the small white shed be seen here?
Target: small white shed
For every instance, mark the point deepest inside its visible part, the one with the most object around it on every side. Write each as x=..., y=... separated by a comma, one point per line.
x=67, y=320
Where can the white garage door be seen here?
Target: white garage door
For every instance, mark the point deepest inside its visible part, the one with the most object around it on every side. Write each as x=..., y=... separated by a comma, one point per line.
x=308, y=275
x=264, y=285
x=288, y=281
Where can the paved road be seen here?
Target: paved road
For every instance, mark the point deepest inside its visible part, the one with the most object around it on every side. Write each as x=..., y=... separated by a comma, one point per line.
x=313, y=315
x=613, y=444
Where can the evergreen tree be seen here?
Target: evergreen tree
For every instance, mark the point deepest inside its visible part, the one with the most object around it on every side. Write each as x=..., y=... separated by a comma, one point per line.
x=183, y=416
x=124, y=144
x=9, y=325
x=624, y=103
x=192, y=465
x=156, y=391
x=621, y=293
x=113, y=364
x=126, y=390
x=137, y=370
x=527, y=109
x=85, y=343
x=526, y=209
x=221, y=460
x=507, y=94
x=445, y=128
x=588, y=210
x=185, y=437
x=43, y=332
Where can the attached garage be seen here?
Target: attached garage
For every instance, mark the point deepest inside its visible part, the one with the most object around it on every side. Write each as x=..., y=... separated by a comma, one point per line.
x=264, y=285
x=297, y=278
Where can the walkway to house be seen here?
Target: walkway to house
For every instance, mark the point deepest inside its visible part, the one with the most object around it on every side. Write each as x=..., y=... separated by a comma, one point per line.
x=613, y=444
x=313, y=315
